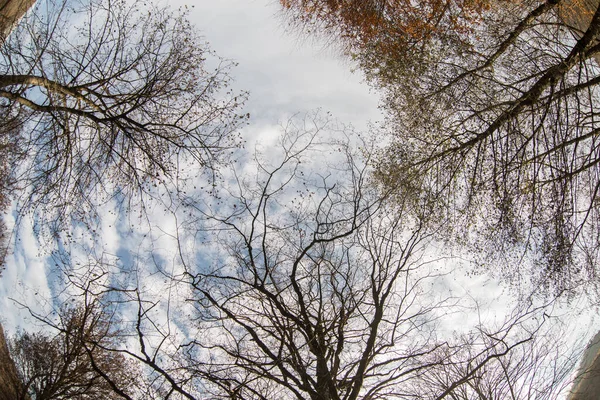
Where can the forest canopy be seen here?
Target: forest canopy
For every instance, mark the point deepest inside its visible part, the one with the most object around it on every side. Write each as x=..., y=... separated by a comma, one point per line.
x=105, y=100
x=182, y=254
x=491, y=114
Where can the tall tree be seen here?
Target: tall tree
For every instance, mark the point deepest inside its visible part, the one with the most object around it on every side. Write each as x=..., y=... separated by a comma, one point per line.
x=292, y=283
x=492, y=116
x=74, y=363
x=105, y=100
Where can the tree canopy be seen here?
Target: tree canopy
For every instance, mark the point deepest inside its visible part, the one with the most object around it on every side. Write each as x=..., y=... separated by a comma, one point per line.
x=491, y=114
x=74, y=363
x=291, y=283
x=105, y=100
x=313, y=267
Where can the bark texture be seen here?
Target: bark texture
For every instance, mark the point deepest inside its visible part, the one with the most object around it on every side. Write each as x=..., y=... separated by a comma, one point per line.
x=9, y=380
x=11, y=12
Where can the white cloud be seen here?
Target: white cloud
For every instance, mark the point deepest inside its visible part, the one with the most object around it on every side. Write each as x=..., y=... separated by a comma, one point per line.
x=284, y=73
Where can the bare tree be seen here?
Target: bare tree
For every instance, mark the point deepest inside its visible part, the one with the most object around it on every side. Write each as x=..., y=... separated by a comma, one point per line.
x=11, y=11
x=311, y=302
x=506, y=142
x=294, y=283
x=492, y=116
x=484, y=365
x=108, y=100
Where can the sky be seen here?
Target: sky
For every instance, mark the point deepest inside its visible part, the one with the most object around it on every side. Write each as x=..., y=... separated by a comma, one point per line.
x=285, y=74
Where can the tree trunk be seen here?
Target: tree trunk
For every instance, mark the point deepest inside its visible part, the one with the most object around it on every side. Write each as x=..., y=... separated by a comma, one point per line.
x=577, y=15
x=10, y=386
x=11, y=12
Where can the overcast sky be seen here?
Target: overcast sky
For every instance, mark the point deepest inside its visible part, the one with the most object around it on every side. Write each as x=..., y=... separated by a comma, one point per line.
x=284, y=75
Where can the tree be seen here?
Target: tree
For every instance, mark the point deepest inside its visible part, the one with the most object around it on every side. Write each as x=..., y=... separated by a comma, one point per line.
x=11, y=11
x=375, y=32
x=73, y=364
x=106, y=100
x=496, y=124
x=291, y=283
x=315, y=289
x=10, y=384
x=485, y=367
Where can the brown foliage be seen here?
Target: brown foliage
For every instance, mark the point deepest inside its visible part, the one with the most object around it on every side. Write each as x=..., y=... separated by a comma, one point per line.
x=493, y=119
x=73, y=364
x=10, y=384
x=387, y=28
